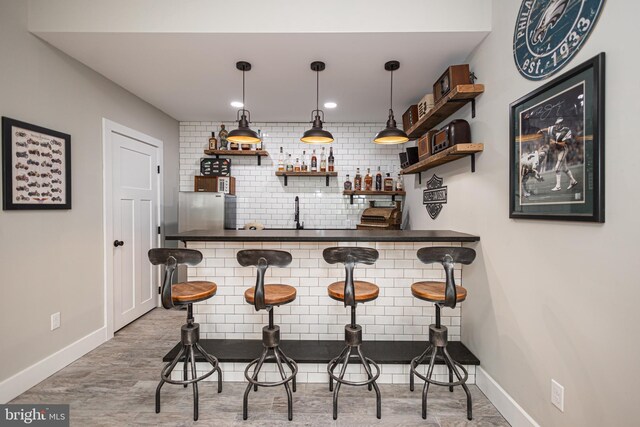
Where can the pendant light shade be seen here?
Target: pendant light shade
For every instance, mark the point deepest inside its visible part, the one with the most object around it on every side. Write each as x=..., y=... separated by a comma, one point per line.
x=391, y=134
x=317, y=135
x=243, y=134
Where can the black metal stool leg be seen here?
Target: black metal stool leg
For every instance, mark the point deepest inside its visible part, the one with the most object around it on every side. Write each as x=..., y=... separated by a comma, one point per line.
x=212, y=361
x=288, y=361
x=451, y=363
x=256, y=371
x=450, y=378
x=337, y=361
x=195, y=383
x=425, y=389
x=415, y=363
x=286, y=384
x=169, y=367
x=367, y=368
x=338, y=384
x=185, y=375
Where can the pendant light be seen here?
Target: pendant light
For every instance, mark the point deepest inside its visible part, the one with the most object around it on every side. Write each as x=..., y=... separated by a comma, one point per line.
x=391, y=134
x=317, y=135
x=244, y=134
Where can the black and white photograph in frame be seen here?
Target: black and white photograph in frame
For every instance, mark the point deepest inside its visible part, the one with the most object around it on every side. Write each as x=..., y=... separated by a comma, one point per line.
x=557, y=148
x=36, y=167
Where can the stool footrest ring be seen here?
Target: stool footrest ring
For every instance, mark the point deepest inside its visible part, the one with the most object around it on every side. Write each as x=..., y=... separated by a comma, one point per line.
x=270, y=384
x=165, y=374
x=334, y=363
x=414, y=365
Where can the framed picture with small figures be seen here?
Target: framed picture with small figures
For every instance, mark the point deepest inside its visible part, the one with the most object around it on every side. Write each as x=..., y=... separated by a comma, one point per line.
x=36, y=167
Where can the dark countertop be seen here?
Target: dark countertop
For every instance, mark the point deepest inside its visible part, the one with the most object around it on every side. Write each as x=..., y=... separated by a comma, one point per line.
x=323, y=236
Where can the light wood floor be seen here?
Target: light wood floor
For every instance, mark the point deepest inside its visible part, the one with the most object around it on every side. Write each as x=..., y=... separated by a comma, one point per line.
x=114, y=385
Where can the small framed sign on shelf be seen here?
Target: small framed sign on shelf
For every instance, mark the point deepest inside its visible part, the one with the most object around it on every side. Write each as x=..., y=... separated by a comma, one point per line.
x=36, y=167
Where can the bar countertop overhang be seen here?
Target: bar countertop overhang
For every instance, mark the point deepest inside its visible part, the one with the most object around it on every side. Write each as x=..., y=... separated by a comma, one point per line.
x=328, y=235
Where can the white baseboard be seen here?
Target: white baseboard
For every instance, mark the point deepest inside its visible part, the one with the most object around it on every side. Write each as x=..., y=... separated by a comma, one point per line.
x=504, y=403
x=28, y=377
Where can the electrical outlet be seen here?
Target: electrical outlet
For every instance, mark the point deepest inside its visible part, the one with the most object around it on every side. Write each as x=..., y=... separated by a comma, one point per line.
x=557, y=395
x=55, y=321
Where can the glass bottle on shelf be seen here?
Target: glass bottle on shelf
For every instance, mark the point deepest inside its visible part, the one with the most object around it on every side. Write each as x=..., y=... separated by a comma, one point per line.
x=222, y=135
x=399, y=186
x=331, y=160
x=388, y=183
x=357, y=181
x=281, y=161
x=289, y=164
x=305, y=166
x=379, y=180
x=347, y=183
x=213, y=142
x=260, y=145
x=296, y=167
x=314, y=161
x=368, y=180
x=323, y=161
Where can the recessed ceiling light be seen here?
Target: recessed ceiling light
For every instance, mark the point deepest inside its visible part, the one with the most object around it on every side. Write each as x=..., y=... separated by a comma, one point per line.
x=330, y=105
x=237, y=104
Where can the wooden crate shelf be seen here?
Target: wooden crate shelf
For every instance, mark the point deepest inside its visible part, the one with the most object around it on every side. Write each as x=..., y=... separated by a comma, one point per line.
x=451, y=154
x=393, y=194
x=258, y=153
x=288, y=174
x=452, y=102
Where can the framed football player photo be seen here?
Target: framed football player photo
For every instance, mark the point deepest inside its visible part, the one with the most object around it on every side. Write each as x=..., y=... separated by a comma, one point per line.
x=556, y=153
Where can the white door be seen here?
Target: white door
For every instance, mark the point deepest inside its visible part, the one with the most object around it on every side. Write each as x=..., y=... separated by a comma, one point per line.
x=135, y=226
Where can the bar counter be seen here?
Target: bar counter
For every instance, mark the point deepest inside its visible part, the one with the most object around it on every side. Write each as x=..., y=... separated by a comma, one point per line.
x=327, y=235
x=313, y=323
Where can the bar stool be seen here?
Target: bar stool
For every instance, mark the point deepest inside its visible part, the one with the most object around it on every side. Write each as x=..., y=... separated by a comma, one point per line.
x=266, y=297
x=445, y=294
x=351, y=293
x=177, y=296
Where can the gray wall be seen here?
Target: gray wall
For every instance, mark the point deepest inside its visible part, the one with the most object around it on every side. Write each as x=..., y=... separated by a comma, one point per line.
x=552, y=299
x=53, y=260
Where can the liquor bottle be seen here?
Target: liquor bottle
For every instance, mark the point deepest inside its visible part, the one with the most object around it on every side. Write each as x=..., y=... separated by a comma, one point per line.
x=213, y=142
x=281, y=161
x=223, y=137
x=399, y=183
x=323, y=161
x=379, y=180
x=388, y=183
x=314, y=161
x=296, y=167
x=260, y=145
x=357, y=181
x=331, y=160
x=305, y=166
x=368, y=180
x=347, y=183
x=289, y=164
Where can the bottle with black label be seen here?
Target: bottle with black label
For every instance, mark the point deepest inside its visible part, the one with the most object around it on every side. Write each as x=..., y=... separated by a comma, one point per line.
x=331, y=160
x=347, y=183
x=388, y=183
x=379, y=180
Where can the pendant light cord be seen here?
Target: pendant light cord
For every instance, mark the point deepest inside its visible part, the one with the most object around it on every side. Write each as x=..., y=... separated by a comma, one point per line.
x=391, y=94
x=243, y=105
x=317, y=91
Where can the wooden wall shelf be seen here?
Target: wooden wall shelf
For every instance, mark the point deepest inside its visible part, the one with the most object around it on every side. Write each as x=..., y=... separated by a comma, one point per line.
x=257, y=153
x=288, y=174
x=456, y=152
x=452, y=102
x=393, y=194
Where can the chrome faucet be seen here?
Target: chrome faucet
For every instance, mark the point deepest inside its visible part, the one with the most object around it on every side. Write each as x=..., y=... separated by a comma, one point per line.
x=296, y=216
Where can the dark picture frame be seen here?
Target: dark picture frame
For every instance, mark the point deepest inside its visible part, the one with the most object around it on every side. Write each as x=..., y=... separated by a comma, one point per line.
x=36, y=167
x=556, y=152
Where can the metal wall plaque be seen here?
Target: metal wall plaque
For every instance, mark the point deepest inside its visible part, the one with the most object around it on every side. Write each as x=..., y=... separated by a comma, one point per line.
x=548, y=33
x=434, y=196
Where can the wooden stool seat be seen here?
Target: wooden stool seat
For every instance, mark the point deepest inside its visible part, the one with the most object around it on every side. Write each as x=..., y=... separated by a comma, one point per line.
x=365, y=291
x=189, y=292
x=273, y=294
x=434, y=291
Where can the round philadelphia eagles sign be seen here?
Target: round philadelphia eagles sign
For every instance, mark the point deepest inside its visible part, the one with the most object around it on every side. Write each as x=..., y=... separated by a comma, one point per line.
x=549, y=33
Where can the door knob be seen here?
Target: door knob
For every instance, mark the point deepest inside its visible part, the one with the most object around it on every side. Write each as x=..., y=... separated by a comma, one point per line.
x=117, y=243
